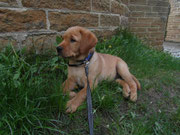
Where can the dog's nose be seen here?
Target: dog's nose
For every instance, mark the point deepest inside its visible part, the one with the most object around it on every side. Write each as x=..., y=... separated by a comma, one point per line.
x=59, y=49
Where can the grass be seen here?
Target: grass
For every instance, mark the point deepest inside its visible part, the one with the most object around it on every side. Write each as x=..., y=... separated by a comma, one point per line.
x=31, y=99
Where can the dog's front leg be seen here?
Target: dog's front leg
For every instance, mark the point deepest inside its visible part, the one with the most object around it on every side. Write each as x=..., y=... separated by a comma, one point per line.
x=74, y=103
x=68, y=86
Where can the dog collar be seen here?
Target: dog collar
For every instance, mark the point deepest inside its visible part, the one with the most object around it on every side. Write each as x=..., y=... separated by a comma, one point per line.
x=84, y=61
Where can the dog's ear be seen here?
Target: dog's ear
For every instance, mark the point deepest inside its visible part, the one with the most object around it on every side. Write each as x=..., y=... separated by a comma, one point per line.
x=88, y=41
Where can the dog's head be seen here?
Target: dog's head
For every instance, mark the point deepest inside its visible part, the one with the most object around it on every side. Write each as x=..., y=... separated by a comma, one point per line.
x=77, y=41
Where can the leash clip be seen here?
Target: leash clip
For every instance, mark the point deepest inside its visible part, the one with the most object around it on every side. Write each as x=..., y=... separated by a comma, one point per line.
x=86, y=63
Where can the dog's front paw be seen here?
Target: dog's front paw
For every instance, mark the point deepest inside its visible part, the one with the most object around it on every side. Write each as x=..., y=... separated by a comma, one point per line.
x=133, y=97
x=126, y=92
x=71, y=106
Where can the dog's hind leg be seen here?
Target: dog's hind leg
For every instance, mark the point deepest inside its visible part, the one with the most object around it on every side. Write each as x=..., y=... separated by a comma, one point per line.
x=137, y=82
x=123, y=71
x=126, y=89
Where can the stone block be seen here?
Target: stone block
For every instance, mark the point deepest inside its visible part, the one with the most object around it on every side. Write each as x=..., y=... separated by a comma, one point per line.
x=101, y=5
x=138, y=2
x=154, y=29
x=104, y=34
x=158, y=3
x=5, y=41
x=58, y=4
x=14, y=20
x=133, y=19
x=157, y=46
x=140, y=24
x=119, y=8
x=160, y=9
x=145, y=19
x=40, y=43
x=62, y=21
x=8, y=3
x=108, y=20
x=124, y=22
x=151, y=14
x=138, y=30
x=125, y=2
x=143, y=8
x=137, y=14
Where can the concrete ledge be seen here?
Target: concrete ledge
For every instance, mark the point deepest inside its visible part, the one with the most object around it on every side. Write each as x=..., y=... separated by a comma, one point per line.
x=173, y=48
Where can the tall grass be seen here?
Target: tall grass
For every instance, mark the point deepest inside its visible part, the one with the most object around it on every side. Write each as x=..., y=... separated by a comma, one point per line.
x=29, y=92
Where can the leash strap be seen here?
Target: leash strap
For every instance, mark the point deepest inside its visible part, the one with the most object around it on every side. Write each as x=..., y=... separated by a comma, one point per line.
x=89, y=101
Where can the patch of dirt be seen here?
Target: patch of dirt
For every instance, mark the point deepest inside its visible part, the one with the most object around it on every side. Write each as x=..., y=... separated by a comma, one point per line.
x=161, y=98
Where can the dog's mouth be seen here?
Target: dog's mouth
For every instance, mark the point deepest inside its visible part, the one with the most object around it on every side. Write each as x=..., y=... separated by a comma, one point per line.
x=65, y=57
x=60, y=53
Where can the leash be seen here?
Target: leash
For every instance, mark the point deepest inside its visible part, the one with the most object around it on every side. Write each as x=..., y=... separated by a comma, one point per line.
x=89, y=99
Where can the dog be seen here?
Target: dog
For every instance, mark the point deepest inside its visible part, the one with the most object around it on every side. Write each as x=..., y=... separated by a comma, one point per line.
x=77, y=44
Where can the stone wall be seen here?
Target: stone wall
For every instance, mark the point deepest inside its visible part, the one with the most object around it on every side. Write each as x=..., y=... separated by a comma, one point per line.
x=148, y=20
x=173, y=29
x=36, y=23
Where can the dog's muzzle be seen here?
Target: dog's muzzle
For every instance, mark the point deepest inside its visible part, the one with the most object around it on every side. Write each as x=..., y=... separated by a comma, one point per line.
x=59, y=50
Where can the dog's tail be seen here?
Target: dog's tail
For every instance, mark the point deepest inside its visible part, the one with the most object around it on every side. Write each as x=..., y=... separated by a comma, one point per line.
x=137, y=82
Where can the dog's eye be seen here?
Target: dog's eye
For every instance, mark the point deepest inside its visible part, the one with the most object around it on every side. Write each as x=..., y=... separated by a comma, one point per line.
x=72, y=40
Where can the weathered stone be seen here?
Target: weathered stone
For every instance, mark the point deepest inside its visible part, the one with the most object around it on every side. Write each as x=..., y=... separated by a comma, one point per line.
x=173, y=26
x=140, y=24
x=157, y=22
x=101, y=34
x=143, y=8
x=62, y=21
x=157, y=46
x=151, y=14
x=101, y=5
x=119, y=8
x=157, y=43
x=138, y=30
x=160, y=9
x=148, y=20
x=5, y=41
x=40, y=43
x=13, y=20
x=137, y=14
x=124, y=22
x=125, y=2
x=8, y=3
x=133, y=19
x=158, y=3
x=58, y=4
x=153, y=29
x=138, y=2
x=108, y=20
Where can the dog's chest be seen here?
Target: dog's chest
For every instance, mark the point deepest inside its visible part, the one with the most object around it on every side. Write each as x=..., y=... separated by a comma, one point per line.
x=78, y=74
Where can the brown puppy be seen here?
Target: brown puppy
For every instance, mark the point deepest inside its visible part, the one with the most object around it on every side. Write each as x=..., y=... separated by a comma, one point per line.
x=77, y=43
